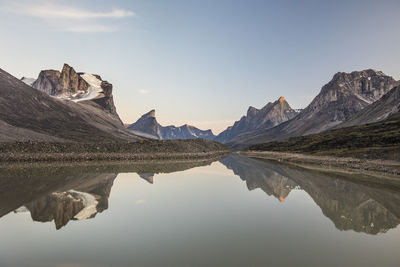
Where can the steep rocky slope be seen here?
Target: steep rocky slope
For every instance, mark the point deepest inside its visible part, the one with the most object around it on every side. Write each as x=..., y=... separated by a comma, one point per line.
x=29, y=114
x=148, y=126
x=85, y=88
x=342, y=97
x=269, y=116
x=386, y=106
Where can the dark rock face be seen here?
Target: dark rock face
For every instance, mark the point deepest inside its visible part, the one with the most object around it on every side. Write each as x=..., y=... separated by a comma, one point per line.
x=68, y=84
x=269, y=116
x=341, y=98
x=148, y=125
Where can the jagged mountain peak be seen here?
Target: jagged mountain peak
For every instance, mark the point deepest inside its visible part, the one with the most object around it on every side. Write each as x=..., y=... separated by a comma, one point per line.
x=78, y=87
x=148, y=125
x=342, y=97
x=272, y=114
x=151, y=113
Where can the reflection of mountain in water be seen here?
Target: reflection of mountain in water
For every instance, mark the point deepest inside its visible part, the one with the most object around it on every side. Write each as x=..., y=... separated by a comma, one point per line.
x=83, y=202
x=349, y=205
x=64, y=193
x=257, y=176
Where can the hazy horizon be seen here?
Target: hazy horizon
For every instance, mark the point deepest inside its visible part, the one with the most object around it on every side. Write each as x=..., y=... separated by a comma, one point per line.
x=201, y=63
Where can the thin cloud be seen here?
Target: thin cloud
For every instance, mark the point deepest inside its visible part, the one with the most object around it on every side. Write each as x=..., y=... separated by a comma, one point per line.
x=60, y=12
x=69, y=18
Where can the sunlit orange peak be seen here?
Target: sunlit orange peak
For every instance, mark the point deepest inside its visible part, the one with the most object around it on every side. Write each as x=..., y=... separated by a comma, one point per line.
x=281, y=99
x=281, y=199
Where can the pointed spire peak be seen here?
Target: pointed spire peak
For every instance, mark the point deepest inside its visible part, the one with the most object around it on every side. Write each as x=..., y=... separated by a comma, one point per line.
x=151, y=113
x=281, y=199
x=281, y=99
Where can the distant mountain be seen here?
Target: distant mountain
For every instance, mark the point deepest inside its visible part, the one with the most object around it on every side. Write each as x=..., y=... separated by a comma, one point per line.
x=81, y=87
x=342, y=97
x=269, y=116
x=147, y=126
x=380, y=110
x=29, y=114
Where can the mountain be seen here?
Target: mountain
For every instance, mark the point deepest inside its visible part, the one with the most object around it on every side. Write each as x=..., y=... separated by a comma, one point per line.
x=30, y=114
x=81, y=87
x=386, y=106
x=269, y=116
x=378, y=140
x=342, y=97
x=147, y=126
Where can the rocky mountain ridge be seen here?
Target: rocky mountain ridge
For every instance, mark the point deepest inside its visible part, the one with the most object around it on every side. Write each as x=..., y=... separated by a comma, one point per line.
x=267, y=117
x=81, y=87
x=345, y=95
x=147, y=126
x=30, y=114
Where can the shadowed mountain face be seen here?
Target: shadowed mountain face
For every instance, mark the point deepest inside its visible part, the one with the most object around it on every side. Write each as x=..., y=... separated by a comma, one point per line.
x=64, y=193
x=341, y=98
x=349, y=205
x=269, y=116
x=29, y=114
x=147, y=126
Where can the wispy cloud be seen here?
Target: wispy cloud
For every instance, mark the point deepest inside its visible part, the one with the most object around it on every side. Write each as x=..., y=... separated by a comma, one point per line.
x=143, y=91
x=67, y=12
x=70, y=18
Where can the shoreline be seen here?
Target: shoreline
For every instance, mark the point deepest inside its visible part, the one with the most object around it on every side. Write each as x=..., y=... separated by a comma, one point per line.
x=89, y=156
x=382, y=171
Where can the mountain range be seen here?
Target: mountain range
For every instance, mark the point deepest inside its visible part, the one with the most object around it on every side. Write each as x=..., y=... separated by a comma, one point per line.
x=147, y=126
x=267, y=117
x=340, y=99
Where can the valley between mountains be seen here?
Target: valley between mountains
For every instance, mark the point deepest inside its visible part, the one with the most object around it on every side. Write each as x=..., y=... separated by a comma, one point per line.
x=70, y=115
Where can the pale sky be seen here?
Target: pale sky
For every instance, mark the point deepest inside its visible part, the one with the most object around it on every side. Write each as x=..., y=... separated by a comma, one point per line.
x=201, y=62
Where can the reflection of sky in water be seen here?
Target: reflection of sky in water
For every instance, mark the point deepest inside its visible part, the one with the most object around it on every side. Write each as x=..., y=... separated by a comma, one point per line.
x=199, y=217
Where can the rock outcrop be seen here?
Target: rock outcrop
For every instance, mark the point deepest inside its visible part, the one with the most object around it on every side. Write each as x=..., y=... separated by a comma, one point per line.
x=269, y=116
x=147, y=126
x=80, y=87
x=341, y=98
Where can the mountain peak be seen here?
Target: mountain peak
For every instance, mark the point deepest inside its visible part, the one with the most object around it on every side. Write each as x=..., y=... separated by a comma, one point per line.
x=151, y=113
x=281, y=99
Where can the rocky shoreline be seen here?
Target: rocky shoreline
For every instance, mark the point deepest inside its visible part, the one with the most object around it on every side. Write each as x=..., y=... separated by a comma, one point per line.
x=388, y=171
x=136, y=151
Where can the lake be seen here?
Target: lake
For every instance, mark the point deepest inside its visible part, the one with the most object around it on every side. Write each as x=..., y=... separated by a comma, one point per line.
x=234, y=211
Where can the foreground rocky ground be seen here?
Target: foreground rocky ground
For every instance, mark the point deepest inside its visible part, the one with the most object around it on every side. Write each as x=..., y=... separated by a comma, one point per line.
x=143, y=150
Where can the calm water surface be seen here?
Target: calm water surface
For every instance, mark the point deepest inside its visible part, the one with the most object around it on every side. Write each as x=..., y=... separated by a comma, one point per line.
x=233, y=212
